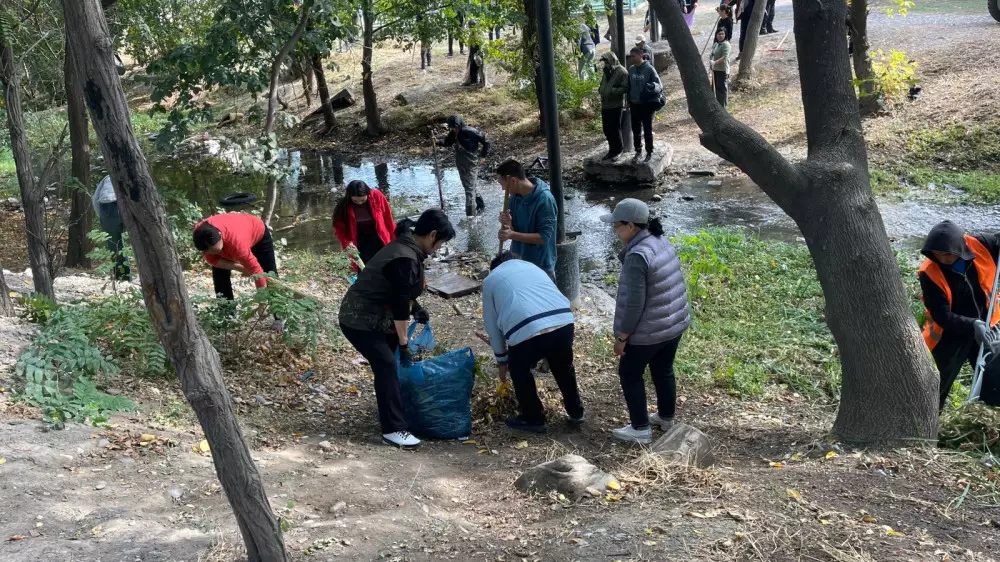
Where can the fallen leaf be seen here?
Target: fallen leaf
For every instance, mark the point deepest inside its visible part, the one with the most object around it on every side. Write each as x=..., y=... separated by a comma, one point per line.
x=794, y=494
x=521, y=445
x=16, y=538
x=147, y=437
x=612, y=498
x=869, y=519
x=613, y=485
x=699, y=515
x=776, y=464
x=649, y=543
x=3, y=460
x=579, y=541
x=889, y=532
x=796, y=456
x=96, y=531
x=469, y=442
x=202, y=447
x=831, y=455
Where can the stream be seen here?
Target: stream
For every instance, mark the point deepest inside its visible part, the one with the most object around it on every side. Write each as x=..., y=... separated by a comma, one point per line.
x=307, y=197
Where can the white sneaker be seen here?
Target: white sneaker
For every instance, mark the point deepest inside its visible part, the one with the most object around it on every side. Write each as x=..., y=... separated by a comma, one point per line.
x=401, y=439
x=631, y=435
x=664, y=423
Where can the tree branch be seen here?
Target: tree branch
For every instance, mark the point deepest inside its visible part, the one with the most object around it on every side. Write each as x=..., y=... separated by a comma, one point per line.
x=722, y=133
x=278, y=61
x=426, y=10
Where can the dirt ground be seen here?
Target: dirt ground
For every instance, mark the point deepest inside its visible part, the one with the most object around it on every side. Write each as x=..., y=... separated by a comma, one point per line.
x=780, y=490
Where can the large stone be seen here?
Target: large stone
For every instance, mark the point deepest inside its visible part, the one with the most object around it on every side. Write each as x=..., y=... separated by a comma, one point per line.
x=685, y=445
x=418, y=95
x=343, y=99
x=622, y=170
x=570, y=475
x=663, y=58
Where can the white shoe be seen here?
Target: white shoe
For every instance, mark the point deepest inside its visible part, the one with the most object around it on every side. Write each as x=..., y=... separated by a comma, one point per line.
x=401, y=439
x=664, y=423
x=631, y=435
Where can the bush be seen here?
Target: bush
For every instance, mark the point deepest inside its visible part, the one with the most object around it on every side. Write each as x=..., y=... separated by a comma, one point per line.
x=894, y=74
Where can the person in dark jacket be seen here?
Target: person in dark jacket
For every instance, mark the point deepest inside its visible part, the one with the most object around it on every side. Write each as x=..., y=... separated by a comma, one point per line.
x=956, y=280
x=767, y=26
x=644, y=87
x=725, y=20
x=363, y=218
x=376, y=310
x=614, y=86
x=467, y=142
x=651, y=315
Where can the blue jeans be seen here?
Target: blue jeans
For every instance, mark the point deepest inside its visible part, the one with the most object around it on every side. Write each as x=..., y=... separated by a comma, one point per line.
x=111, y=222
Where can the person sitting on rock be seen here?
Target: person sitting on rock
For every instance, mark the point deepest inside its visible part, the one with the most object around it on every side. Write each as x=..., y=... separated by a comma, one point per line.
x=956, y=280
x=467, y=140
x=527, y=320
x=530, y=224
x=235, y=241
x=614, y=86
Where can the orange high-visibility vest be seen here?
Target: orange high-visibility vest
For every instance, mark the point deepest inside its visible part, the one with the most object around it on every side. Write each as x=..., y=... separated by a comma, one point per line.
x=986, y=270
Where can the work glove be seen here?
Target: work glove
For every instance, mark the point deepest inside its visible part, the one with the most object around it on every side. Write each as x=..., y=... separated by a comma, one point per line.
x=420, y=315
x=982, y=332
x=405, y=356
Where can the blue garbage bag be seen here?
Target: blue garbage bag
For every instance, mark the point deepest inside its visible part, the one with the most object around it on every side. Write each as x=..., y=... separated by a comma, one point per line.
x=422, y=342
x=437, y=395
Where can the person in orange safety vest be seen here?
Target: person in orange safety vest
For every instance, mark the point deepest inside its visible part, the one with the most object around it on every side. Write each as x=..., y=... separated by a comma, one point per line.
x=956, y=280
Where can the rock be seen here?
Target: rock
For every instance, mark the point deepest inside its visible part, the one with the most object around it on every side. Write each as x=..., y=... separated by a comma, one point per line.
x=570, y=475
x=568, y=196
x=685, y=445
x=343, y=99
x=338, y=508
x=482, y=274
x=622, y=170
x=656, y=198
x=417, y=95
x=701, y=172
x=327, y=446
x=101, y=485
x=663, y=58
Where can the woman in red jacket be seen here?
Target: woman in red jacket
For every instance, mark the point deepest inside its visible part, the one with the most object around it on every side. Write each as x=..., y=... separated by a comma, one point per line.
x=362, y=217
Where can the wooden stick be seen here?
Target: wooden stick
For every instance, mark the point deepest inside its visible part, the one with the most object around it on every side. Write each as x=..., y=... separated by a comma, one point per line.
x=778, y=49
x=506, y=206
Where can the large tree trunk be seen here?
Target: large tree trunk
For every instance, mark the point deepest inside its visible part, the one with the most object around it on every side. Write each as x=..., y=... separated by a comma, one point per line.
x=367, y=85
x=529, y=44
x=745, y=76
x=279, y=59
x=32, y=197
x=324, y=93
x=889, y=390
x=164, y=292
x=80, y=220
x=867, y=97
x=6, y=305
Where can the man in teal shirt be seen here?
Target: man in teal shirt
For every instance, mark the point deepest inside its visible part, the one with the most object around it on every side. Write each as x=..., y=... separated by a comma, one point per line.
x=530, y=224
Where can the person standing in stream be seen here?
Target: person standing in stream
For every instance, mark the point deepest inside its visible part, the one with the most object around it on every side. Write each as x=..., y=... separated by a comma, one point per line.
x=530, y=224
x=471, y=147
x=956, y=280
x=375, y=313
x=235, y=241
x=363, y=218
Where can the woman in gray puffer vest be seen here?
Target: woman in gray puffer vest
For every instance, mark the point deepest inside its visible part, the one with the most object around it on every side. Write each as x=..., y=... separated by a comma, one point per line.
x=651, y=314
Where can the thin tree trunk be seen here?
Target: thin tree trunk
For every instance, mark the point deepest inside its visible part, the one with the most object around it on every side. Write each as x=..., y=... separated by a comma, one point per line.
x=6, y=305
x=162, y=279
x=745, y=76
x=324, y=93
x=367, y=85
x=529, y=43
x=889, y=389
x=32, y=197
x=861, y=57
x=279, y=59
x=80, y=217
x=305, y=66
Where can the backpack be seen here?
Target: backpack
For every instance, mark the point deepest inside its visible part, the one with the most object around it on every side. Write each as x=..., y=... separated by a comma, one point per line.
x=654, y=95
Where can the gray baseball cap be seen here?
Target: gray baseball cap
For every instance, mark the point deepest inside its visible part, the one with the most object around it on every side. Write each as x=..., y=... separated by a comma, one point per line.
x=628, y=210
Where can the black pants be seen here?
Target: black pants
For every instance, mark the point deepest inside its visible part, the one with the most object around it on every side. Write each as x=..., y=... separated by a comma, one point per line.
x=642, y=125
x=768, y=24
x=721, y=86
x=111, y=222
x=660, y=359
x=557, y=348
x=950, y=359
x=380, y=352
x=611, y=121
x=744, y=25
x=263, y=251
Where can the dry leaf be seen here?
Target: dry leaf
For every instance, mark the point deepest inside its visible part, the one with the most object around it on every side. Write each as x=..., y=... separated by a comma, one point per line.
x=612, y=498
x=699, y=515
x=521, y=445
x=869, y=519
x=202, y=447
x=613, y=485
x=147, y=438
x=831, y=455
x=889, y=532
x=16, y=538
x=649, y=543
x=3, y=460
x=776, y=464
x=794, y=494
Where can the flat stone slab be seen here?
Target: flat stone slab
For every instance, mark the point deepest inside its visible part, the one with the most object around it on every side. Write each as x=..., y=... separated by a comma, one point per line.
x=685, y=445
x=452, y=285
x=570, y=474
x=663, y=57
x=622, y=170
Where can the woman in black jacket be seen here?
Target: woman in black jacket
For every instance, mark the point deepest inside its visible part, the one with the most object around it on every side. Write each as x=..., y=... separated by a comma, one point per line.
x=375, y=312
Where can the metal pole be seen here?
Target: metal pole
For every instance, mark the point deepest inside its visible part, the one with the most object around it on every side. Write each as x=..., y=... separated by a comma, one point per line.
x=654, y=26
x=550, y=109
x=620, y=24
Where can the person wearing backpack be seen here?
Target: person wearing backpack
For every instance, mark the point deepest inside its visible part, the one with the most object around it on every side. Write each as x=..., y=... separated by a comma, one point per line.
x=645, y=97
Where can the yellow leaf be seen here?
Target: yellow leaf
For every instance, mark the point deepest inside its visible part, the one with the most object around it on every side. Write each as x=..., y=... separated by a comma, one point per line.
x=831, y=455
x=824, y=521
x=889, y=532
x=96, y=531
x=794, y=494
x=521, y=445
x=869, y=519
x=699, y=515
x=3, y=460
x=612, y=498
x=796, y=456
x=614, y=486
x=202, y=447
x=469, y=442
x=776, y=464
x=147, y=438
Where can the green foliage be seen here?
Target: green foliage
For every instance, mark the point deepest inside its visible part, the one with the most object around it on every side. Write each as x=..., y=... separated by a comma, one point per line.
x=958, y=146
x=758, y=317
x=894, y=74
x=901, y=7
x=38, y=308
x=145, y=29
x=970, y=427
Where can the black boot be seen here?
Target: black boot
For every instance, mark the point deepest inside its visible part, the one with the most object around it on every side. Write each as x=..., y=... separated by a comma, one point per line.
x=480, y=204
x=649, y=156
x=638, y=155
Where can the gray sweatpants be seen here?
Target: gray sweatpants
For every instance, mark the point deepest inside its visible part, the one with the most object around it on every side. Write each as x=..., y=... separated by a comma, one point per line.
x=468, y=171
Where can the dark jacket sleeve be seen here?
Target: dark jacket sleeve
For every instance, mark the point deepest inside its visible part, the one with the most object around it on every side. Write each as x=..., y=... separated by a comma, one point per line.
x=481, y=139
x=404, y=278
x=448, y=140
x=940, y=311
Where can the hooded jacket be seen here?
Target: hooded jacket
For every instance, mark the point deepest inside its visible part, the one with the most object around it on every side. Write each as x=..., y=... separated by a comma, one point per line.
x=643, y=83
x=614, y=82
x=535, y=213
x=969, y=302
x=467, y=138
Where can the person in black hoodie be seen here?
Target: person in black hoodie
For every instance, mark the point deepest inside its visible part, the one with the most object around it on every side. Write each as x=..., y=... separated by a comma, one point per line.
x=956, y=280
x=467, y=142
x=376, y=310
